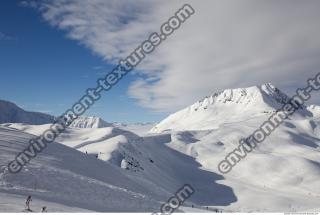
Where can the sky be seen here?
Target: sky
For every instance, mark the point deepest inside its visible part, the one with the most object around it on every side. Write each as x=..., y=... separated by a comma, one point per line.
x=52, y=51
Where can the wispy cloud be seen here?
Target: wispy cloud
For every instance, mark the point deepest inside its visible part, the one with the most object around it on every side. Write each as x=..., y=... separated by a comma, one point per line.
x=4, y=36
x=29, y=3
x=225, y=44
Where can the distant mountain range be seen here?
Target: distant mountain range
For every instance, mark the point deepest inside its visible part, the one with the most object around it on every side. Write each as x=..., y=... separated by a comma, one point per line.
x=11, y=113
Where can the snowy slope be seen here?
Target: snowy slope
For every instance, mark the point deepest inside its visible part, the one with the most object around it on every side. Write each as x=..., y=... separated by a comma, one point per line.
x=15, y=203
x=228, y=106
x=9, y=112
x=65, y=176
x=101, y=142
x=148, y=174
x=281, y=174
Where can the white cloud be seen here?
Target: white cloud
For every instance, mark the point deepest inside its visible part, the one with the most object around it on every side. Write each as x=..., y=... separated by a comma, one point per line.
x=225, y=44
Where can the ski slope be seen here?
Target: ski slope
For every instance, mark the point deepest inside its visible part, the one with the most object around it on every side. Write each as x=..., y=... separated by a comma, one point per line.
x=15, y=203
x=63, y=175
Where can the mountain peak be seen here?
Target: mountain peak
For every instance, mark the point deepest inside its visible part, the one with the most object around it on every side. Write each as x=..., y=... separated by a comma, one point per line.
x=265, y=94
x=89, y=122
x=226, y=106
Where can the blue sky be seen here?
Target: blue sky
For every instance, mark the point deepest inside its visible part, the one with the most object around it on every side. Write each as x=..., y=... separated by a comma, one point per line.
x=42, y=70
x=52, y=50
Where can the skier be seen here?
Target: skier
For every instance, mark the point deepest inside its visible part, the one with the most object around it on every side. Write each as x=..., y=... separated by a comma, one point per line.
x=44, y=209
x=29, y=199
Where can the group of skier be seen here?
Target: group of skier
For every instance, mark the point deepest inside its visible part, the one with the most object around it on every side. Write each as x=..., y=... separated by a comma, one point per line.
x=29, y=199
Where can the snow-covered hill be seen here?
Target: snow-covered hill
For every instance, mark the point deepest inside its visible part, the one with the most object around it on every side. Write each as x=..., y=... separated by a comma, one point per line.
x=9, y=112
x=228, y=106
x=89, y=122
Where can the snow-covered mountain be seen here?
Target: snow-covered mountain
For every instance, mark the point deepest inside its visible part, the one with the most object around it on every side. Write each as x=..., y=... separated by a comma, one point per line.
x=11, y=113
x=89, y=122
x=227, y=106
